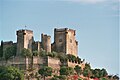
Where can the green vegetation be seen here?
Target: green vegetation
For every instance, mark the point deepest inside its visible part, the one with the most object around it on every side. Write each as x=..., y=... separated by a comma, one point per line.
x=66, y=70
x=87, y=70
x=35, y=53
x=10, y=52
x=45, y=71
x=26, y=53
x=63, y=58
x=73, y=58
x=99, y=73
x=78, y=70
x=104, y=79
x=10, y=73
x=43, y=53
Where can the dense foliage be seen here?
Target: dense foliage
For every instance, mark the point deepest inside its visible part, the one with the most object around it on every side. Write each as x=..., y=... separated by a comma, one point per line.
x=99, y=73
x=78, y=69
x=10, y=73
x=10, y=52
x=45, y=71
x=26, y=53
x=35, y=53
x=66, y=70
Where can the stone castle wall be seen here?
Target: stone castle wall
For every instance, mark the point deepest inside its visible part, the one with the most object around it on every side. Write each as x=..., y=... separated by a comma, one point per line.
x=64, y=41
x=71, y=64
x=59, y=40
x=24, y=40
x=54, y=63
x=36, y=46
x=46, y=42
x=7, y=44
x=71, y=43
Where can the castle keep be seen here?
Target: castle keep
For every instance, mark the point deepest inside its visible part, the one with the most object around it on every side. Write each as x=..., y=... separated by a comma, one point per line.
x=24, y=40
x=64, y=41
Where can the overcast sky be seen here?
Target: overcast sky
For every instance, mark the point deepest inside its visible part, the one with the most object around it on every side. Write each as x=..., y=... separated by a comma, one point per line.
x=95, y=22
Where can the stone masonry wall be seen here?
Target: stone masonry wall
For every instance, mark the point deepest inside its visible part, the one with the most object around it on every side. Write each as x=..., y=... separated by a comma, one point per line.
x=46, y=42
x=36, y=46
x=64, y=41
x=71, y=45
x=54, y=63
x=24, y=40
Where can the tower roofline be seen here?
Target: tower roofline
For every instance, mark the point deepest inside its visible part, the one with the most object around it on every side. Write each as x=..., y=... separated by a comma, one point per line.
x=45, y=35
x=22, y=30
x=63, y=29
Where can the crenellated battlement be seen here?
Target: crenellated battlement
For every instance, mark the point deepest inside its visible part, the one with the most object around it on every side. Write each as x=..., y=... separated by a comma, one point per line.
x=64, y=41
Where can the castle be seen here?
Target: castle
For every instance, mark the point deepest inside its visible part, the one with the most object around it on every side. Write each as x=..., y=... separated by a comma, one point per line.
x=64, y=42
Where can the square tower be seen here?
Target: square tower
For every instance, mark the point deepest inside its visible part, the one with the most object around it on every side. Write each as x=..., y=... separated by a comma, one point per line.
x=46, y=42
x=64, y=41
x=24, y=40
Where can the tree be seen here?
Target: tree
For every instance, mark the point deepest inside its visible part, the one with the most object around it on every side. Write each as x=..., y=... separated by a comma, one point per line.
x=9, y=52
x=103, y=72
x=96, y=73
x=71, y=57
x=43, y=53
x=63, y=58
x=87, y=66
x=66, y=70
x=63, y=71
x=104, y=79
x=78, y=69
x=52, y=54
x=10, y=73
x=87, y=71
x=26, y=53
x=35, y=53
x=99, y=73
x=45, y=71
x=61, y=77
x=71, y=70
